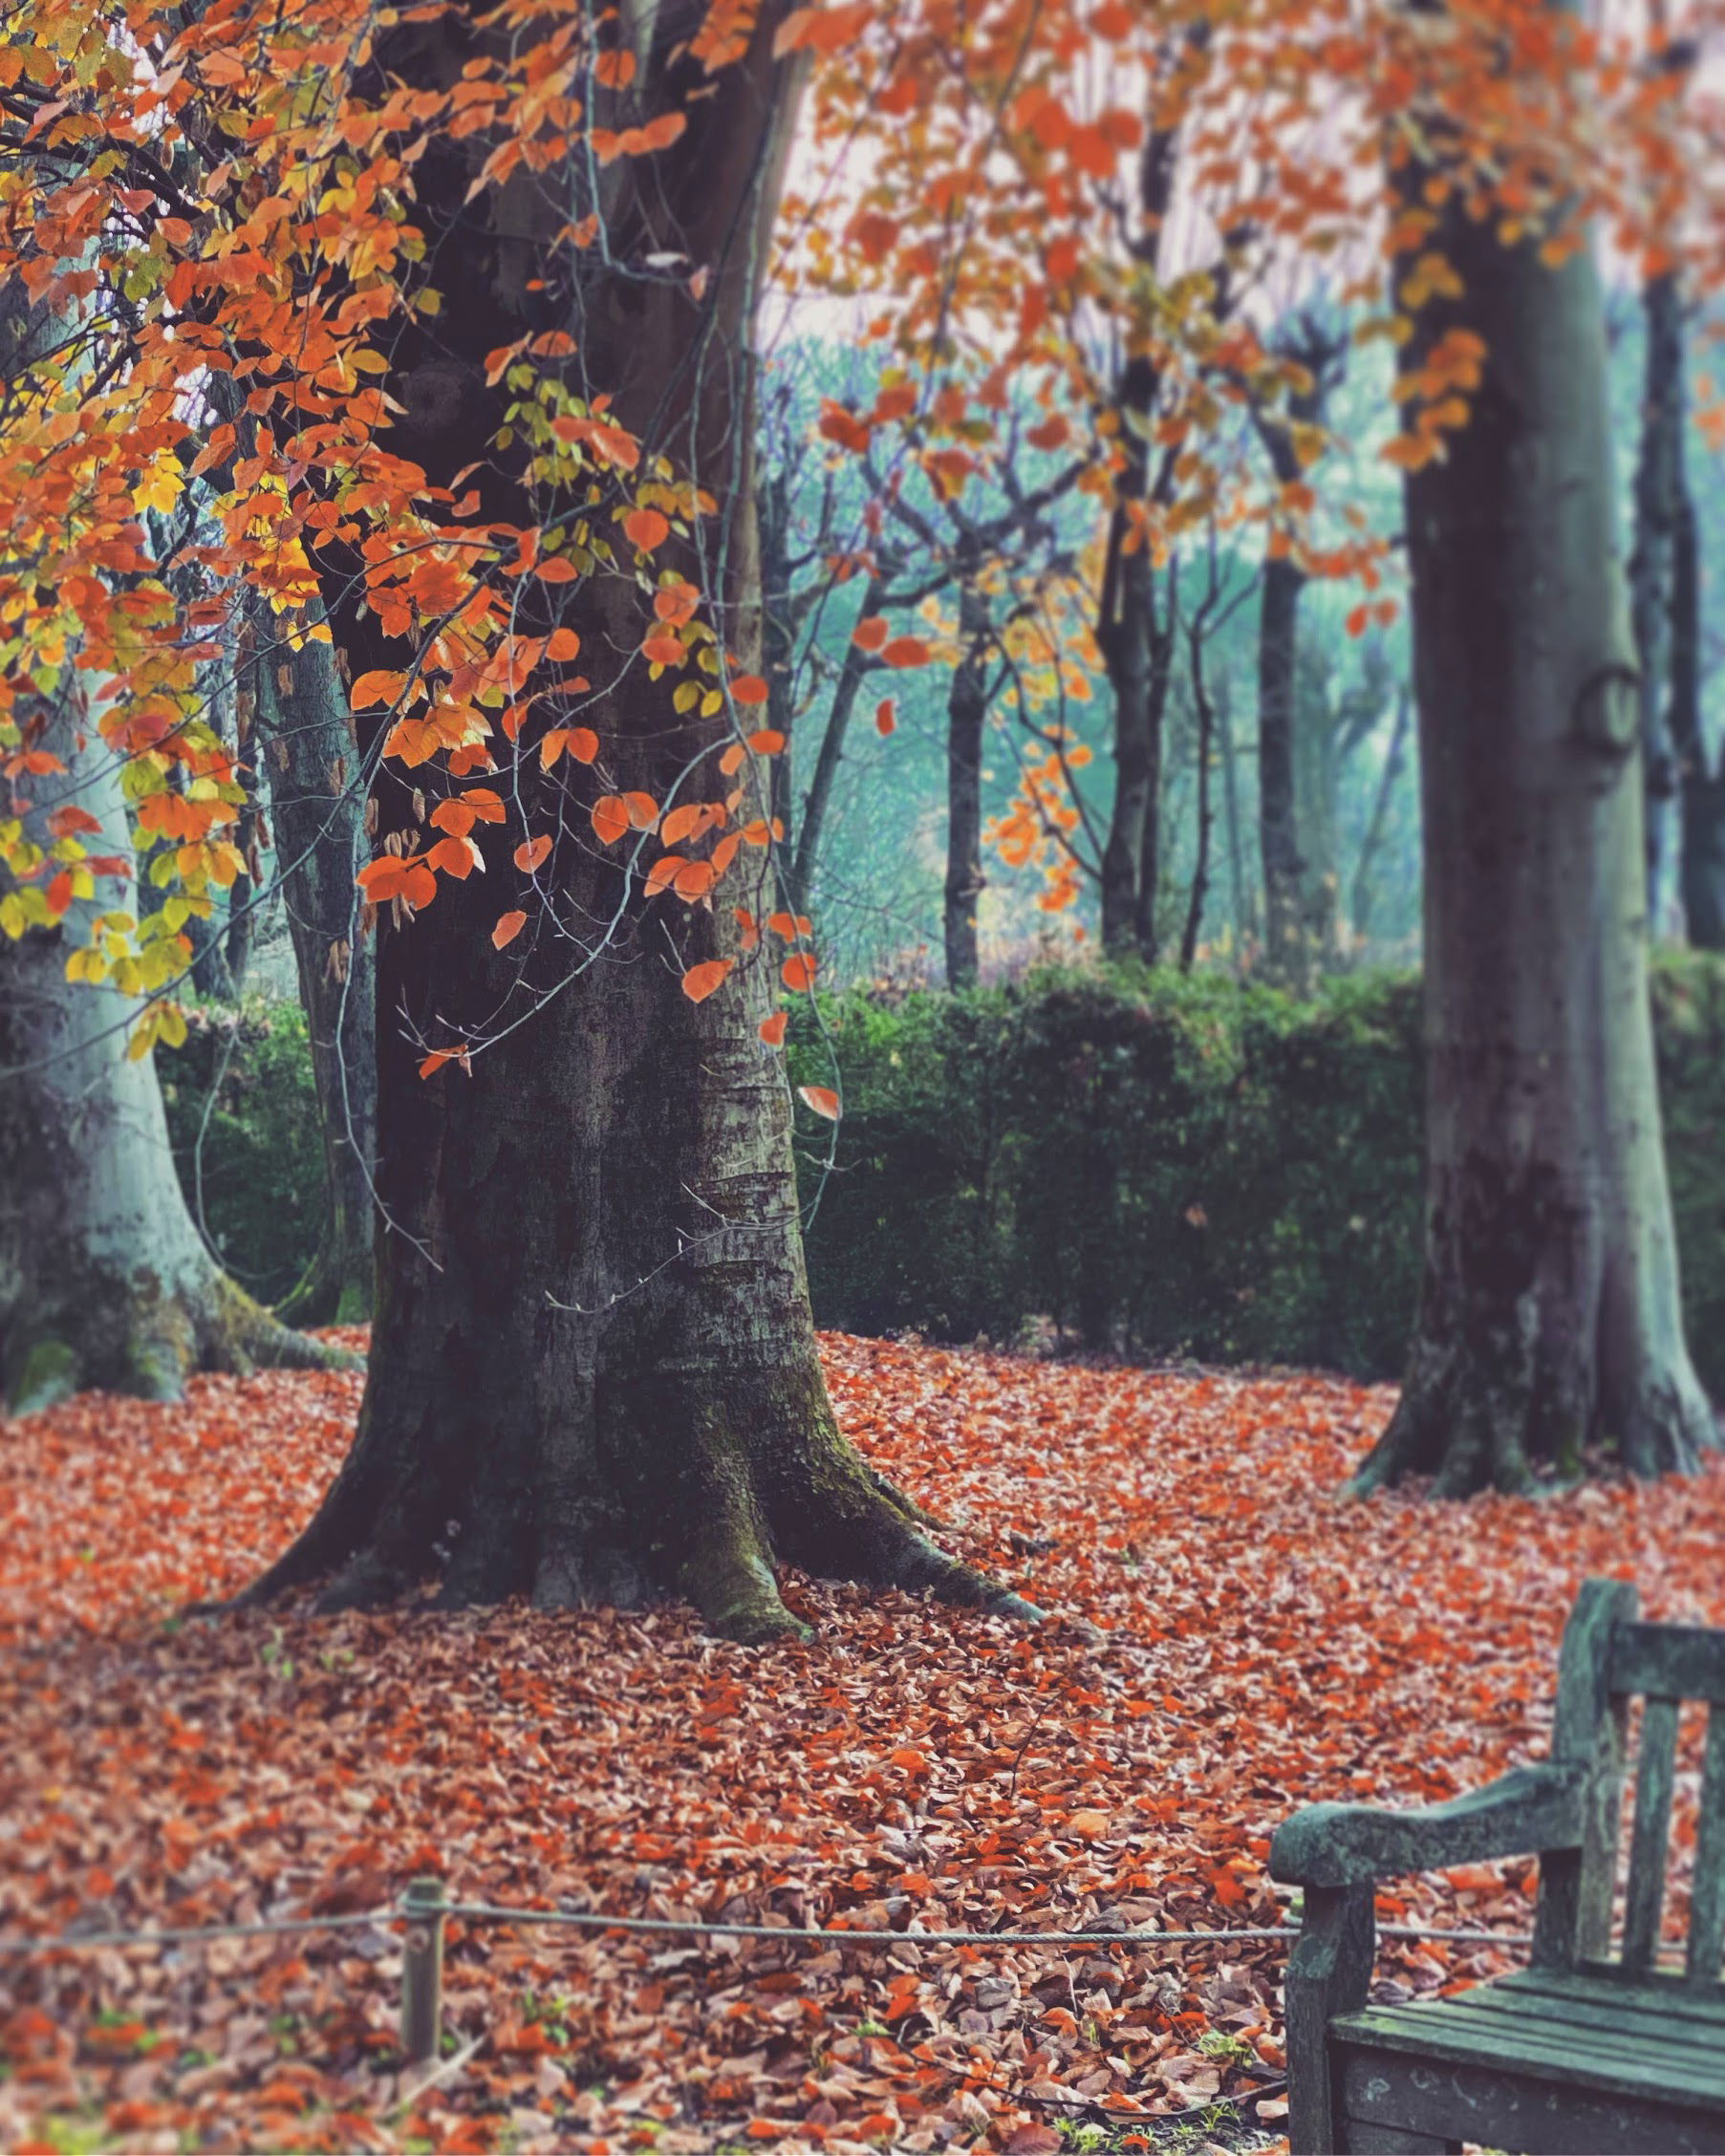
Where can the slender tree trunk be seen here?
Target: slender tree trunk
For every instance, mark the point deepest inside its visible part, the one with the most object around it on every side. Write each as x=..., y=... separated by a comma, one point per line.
x=593, y=1368
x=1549, y=1316
x=778, y=644
x=854, y=669
x=1652, y=570
x=966, y=713
x=103, y=1278
x=1206, y=815
x=1702, y=858
x=1364, y=885
x=320, y=802
x=1288, y=957
x=1239, y=876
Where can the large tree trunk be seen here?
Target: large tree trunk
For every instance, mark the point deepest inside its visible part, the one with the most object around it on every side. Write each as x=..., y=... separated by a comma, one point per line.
x=105, y=1281
x=967, y=713
x=319, y=803
x=1549, y=1317
x=593, y=1370
x=1653, y=571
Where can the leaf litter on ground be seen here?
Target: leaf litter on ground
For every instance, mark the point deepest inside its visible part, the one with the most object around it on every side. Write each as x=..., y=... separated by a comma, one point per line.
x=1232, y=1640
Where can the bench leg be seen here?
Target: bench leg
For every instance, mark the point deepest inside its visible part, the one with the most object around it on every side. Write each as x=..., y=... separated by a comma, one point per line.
x=1329, y=1972
x=1359, y=2139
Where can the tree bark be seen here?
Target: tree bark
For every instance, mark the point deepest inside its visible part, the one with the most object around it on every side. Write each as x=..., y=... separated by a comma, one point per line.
x=855, y=668
x=105, y=1281
x=1659, y=484
x=966, y=715
x=593, y=1371
x=1287, y=956
x=1549, y=1317
x=1701, y=865
x=318, y=800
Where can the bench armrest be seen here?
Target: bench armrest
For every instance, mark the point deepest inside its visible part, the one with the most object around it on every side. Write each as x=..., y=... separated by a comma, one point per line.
x=1527, y=1811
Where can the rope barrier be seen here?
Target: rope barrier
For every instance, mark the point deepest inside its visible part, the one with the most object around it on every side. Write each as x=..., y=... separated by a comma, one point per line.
x=18, y=1945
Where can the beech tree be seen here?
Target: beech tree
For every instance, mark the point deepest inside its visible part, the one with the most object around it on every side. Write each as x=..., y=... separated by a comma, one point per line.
x=1549, y=1315
x=104, y=1279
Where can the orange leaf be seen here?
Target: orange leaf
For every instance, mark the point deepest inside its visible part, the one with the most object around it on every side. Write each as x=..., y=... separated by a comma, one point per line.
x=906, y=651
x=699, y=981
x=767, y=741
x=562, y=643
x=798, y=972
x=662, y=648
x=508, y=927
x=642, y=810
x=647, y=527
x=694, y=879
x=556, y=569
x=822, y=1099
x=886, y=715
x=532, y=851
x=750, y=688
x=869, y=634
x=772, y=1029
x=610, y=818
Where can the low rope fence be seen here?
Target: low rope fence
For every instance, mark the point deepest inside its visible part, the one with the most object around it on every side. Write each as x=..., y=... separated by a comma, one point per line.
x=425, y=1913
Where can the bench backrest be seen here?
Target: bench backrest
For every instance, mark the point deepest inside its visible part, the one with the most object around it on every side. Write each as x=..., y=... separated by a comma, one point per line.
x=1609, y=1659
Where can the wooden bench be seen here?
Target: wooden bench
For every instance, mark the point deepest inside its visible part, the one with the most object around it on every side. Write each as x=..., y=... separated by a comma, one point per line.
x=1588, y=2049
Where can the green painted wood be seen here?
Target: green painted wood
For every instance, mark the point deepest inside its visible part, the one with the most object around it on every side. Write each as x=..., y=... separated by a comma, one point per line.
x=1573, y=1917
x=1483, y=2039
x=1362, y=2137
x=1707, y=1893
x=1652, y=2002
x=1329, y=1972
x=1529, y=1810
x=1532, y=2039
x=1675, y=1661
x=1538, y=2116
x=1645, y=1903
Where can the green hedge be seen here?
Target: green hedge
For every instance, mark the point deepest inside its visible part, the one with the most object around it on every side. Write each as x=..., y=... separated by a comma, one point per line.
x=1180, y=1167
x=1160, y=1166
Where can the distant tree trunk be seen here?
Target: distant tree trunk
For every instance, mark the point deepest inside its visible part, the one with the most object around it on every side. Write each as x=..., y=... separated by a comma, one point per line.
x=1136, y=643
x=967, y=713
x=1238, y=874
x=1206, y=815
x=1365, y=887
x=1549, y=1314
x=321, y=844
x=779, y=642
x=1287, y=956
x=1653, y=568
x=1703, y=784
x=594, y=1371
x=105, y=1281
x=854, y=669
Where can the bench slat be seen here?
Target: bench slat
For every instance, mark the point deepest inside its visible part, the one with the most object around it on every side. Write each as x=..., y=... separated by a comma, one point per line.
x=1657, y=1999
x=1645, y=1902
x=1707, y=1896
x=1538, y=2033
x=1671, y=1661
x=1685, y=2072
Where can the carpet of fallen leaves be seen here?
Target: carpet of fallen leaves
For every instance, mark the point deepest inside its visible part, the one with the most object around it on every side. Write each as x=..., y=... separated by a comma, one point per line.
x=1264, y=1644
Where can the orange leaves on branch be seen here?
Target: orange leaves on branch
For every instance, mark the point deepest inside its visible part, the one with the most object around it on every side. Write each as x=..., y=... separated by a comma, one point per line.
x=647, y=528
x=826, y=30
x=639, y=142
x=532, y=852
x=662, y=647
x=610, y=818
x=578, y=742
x=700, y=980
x=397, y=876
x=822, y=1099
x=799, y=970
x=844, y=428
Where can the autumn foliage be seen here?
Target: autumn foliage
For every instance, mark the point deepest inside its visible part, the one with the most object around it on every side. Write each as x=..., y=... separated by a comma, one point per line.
x=1263, y=1644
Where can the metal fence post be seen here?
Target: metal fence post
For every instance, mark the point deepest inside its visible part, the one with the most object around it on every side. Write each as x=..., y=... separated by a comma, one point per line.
x=422, y=1971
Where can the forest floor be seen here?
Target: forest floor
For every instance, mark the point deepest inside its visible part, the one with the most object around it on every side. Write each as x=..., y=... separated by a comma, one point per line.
x=1263, y=1644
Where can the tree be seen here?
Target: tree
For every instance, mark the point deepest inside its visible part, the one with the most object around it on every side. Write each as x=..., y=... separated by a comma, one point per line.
x=1659, y=488
x=1549, y=1318
x=104, y=1280
x=593, y=1368
x=305, y=730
